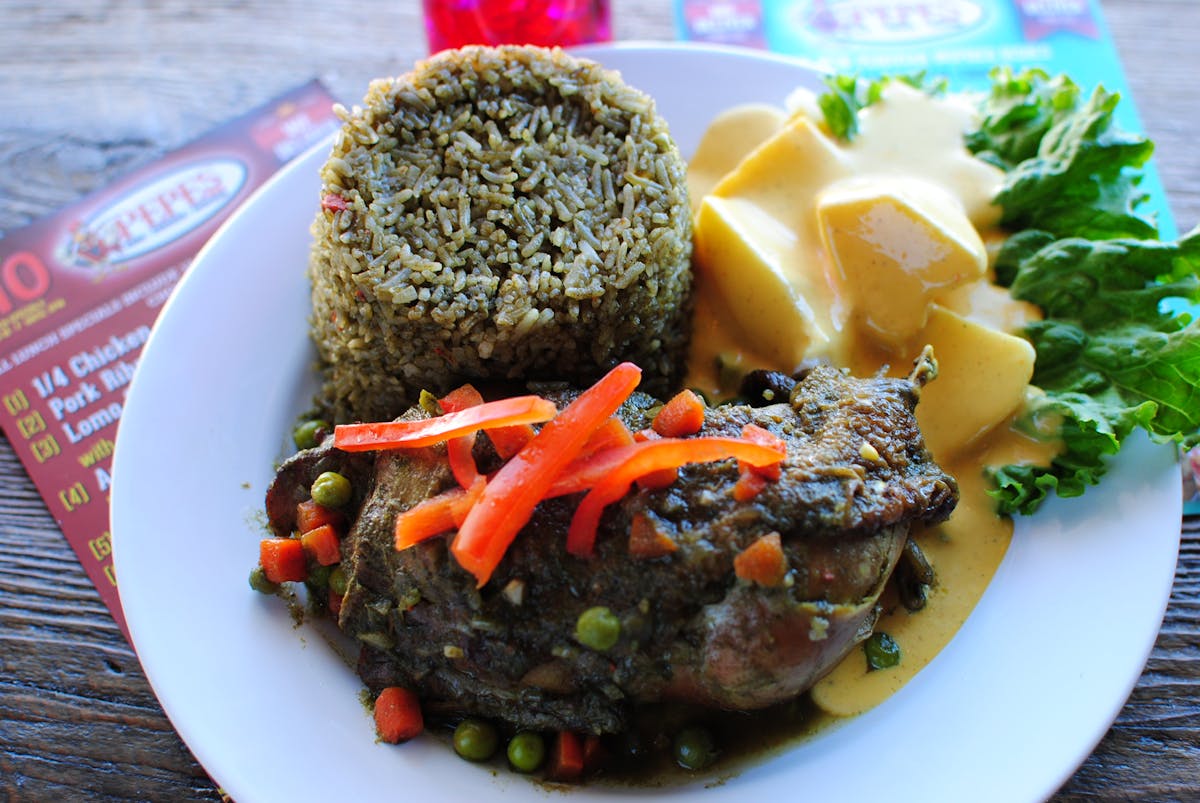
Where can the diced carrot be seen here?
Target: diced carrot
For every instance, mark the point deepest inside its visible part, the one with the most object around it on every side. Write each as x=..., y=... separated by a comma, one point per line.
x=566, y=757
x=647, y=540
x=310, y=515
x=323, y=544
x=683, y=415
x=763, y=562
x=519, y=485
x=650, y=456
x=398, y=715
x=609, y=435
x=757, y=434
x=335, y=603
x=283, y=560
x=594, y=752
x=428, y=431
x=749, y=484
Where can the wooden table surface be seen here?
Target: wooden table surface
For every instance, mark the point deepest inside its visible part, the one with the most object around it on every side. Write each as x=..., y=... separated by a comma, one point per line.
x=90, y=90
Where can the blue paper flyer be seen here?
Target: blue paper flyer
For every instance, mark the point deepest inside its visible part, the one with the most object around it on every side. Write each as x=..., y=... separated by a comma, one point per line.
x=960, y=40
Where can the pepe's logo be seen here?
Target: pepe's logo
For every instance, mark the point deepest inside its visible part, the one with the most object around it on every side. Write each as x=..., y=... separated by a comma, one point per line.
x=154, y=215
x=881, y=22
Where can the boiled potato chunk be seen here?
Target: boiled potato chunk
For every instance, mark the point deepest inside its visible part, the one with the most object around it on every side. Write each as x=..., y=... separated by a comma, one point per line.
x=990, y=305
x=981, y=381
x=728, y=139
x=782, y=174
x=746, y=257
x=896, y=242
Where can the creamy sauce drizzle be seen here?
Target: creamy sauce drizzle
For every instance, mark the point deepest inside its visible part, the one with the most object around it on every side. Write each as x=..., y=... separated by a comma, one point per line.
x=861, y=254
x=965, y=552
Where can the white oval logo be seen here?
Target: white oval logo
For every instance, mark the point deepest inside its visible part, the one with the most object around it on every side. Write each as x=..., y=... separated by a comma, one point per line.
x=880, y=22
x=155, y=214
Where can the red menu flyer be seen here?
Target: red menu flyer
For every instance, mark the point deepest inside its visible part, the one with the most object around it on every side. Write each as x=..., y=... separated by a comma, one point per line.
x=80, y=290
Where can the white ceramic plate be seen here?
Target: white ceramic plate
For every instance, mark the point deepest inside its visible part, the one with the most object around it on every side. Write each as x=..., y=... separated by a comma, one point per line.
x=1006, y=712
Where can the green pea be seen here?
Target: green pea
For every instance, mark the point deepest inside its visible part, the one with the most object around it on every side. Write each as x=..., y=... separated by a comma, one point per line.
x=308, y=433
x=526, y=751
x=882, y=651
x=338, y=581
x=475, y=739
x=695, y=748
x=260, y=583
x=331, y=489
x=318, y=576
x=598, y=628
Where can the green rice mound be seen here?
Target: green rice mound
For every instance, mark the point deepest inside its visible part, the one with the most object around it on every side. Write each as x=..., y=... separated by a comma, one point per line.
x=507, y=213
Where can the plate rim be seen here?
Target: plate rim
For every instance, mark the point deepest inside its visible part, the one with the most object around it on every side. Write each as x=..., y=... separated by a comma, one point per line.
x=286, y=175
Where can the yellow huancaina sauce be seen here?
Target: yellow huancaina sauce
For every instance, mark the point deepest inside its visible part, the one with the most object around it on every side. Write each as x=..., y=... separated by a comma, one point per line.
x=862, y=253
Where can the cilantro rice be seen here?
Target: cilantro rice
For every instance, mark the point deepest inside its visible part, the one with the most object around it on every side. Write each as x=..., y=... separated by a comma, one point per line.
x=498, y=213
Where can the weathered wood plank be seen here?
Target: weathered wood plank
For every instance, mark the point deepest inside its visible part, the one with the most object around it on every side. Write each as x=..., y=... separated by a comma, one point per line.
x=88, y=91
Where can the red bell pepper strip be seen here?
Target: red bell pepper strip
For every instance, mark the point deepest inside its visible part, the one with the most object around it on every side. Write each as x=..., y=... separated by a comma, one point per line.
x=610, y=434
x=436, y=515
x=651, y=456
x=654, y=480
x=429, y=431
x=460, y=399
x=757, y=434
x=584, y=472
x=507, y=441
x=460, y=451
x=515, y=490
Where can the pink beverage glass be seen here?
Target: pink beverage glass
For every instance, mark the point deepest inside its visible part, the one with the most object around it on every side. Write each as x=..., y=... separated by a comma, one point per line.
x=453, y=23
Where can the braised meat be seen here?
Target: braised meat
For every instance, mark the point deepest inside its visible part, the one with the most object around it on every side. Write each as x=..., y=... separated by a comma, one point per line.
x=857, y=476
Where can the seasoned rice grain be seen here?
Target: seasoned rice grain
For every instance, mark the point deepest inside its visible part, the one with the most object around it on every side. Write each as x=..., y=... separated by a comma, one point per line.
x=511, y=213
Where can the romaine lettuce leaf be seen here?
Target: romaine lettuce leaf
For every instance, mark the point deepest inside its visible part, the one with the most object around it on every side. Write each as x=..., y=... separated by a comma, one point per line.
x=1082, y=181
x=1018, y=112
x=1111, y=357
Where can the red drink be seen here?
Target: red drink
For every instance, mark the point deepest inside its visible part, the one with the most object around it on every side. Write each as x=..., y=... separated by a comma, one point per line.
x=453, y=23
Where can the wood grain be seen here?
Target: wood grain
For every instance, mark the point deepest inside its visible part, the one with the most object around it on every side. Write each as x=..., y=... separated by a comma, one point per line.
x=89, y=91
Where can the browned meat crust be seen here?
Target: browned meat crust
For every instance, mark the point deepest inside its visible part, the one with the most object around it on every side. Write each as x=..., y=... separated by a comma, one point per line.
x=856, y=477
